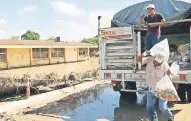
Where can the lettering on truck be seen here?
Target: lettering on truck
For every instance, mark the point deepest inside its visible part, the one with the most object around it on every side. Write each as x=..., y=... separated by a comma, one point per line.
x=103, y=32
x=108, y=35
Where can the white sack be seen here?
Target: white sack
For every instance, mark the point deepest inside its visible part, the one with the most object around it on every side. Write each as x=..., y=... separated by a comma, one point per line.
x=162, y=46
x=165, y=90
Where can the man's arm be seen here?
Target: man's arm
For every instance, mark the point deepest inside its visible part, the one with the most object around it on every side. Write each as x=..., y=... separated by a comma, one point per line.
x=142, y=19
x=167, y=68
x=163, y=24
x=144, y=60
x=162, y=20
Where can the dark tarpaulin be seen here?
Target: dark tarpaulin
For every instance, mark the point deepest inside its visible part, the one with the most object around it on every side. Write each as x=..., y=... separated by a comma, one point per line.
x=170, y=9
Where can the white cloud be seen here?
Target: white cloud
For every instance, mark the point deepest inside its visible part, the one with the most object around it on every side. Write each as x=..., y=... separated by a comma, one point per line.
x=27, y=9
x=53, y=30
x=2, y=21
x=106, y=14
x=72, y=31
x=83, y=27
x=3, y=34
x=66, y=8
x=78, y=28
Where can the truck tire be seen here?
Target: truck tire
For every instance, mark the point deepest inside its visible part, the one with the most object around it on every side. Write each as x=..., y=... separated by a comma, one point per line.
x=129, y=85
x=182, y=92
x=189, y=93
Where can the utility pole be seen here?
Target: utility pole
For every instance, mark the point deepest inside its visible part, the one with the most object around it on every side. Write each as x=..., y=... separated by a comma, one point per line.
x=99, y=18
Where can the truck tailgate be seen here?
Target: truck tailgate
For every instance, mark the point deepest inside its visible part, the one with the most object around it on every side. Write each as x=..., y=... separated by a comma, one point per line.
x=119, y=52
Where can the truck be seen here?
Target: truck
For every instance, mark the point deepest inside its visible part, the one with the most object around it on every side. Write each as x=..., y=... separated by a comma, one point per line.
x=123, y=41
x=119, y=48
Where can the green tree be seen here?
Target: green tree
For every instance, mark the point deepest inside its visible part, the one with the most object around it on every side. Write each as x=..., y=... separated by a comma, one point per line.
x=52, y=38
x=91, y=40
x=30, y=35
x=15, y=37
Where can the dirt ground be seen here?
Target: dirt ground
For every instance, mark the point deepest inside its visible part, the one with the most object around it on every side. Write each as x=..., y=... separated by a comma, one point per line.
x=60, y=69
x=182, y=112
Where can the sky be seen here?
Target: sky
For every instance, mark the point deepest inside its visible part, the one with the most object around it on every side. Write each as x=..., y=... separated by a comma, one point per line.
x=72, y=20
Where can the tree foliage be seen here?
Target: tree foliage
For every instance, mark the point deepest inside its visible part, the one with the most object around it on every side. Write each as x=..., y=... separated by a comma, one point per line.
x=30, y=35
x=15, y=37
x=52, y=38
x=91, y=40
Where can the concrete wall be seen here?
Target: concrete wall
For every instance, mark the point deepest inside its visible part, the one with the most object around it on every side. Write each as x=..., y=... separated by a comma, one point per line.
x=3, y=65
x=18, y=57
x=71, y=54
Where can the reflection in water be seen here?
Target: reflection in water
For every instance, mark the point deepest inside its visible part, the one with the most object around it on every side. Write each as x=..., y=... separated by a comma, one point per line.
x=100, y=102
x=72, y=102
x=128, y=110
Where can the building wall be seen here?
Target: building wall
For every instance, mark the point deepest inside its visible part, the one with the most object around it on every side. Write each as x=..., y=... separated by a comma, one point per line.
x=71, y=54
x=22, y=57
x=3, y=65
x=40, y=61
x=54, y=60
x=18, y=57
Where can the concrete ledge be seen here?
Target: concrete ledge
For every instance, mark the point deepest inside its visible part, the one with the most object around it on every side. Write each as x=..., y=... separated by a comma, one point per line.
x=41, y=100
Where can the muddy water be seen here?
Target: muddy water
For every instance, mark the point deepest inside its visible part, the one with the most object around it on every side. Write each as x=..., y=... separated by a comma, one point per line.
x=97, y=104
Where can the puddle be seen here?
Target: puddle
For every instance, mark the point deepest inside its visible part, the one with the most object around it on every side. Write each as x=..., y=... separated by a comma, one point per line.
x=100, y=103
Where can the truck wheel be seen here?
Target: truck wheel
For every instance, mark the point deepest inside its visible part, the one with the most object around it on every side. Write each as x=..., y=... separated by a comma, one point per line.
x=125, y=93
x=182, y=92
x=122, y=93
x=129, y=85
x=189, y=93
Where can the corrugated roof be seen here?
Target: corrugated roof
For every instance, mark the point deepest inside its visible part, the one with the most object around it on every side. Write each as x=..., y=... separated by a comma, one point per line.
x=42, y=43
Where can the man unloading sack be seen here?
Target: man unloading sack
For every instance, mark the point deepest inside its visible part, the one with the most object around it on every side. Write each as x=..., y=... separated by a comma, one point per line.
x=153, y=32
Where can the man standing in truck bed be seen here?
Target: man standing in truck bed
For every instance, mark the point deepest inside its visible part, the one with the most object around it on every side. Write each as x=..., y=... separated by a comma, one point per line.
x=153, y=32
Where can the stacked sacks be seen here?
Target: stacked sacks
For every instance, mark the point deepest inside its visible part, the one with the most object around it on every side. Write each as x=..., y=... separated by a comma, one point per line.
x=184, y=52
x=184, y=49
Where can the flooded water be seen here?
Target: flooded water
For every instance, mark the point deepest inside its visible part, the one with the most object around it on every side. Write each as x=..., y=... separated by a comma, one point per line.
x=100, y=103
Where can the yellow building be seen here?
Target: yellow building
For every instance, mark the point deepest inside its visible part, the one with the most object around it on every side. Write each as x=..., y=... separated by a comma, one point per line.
x=25, y=53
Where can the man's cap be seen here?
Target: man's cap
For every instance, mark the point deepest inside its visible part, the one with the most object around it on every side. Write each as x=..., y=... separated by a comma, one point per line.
x=150, y=6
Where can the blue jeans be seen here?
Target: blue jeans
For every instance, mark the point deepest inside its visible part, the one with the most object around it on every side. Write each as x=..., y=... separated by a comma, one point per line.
x=151, y=100
x=151, y=40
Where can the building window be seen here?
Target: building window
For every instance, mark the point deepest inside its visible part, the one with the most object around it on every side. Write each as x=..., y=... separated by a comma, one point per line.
x=57, y=52
x=40, y=52
x=83, y=51
x=3, y=54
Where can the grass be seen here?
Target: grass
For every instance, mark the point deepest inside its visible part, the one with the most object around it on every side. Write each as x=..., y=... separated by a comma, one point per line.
x=16, y=98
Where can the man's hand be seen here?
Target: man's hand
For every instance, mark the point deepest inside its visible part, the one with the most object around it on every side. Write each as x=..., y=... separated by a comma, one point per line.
x=168, y=72
x=141, y=17
x=139, y=58
x=146, y=53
